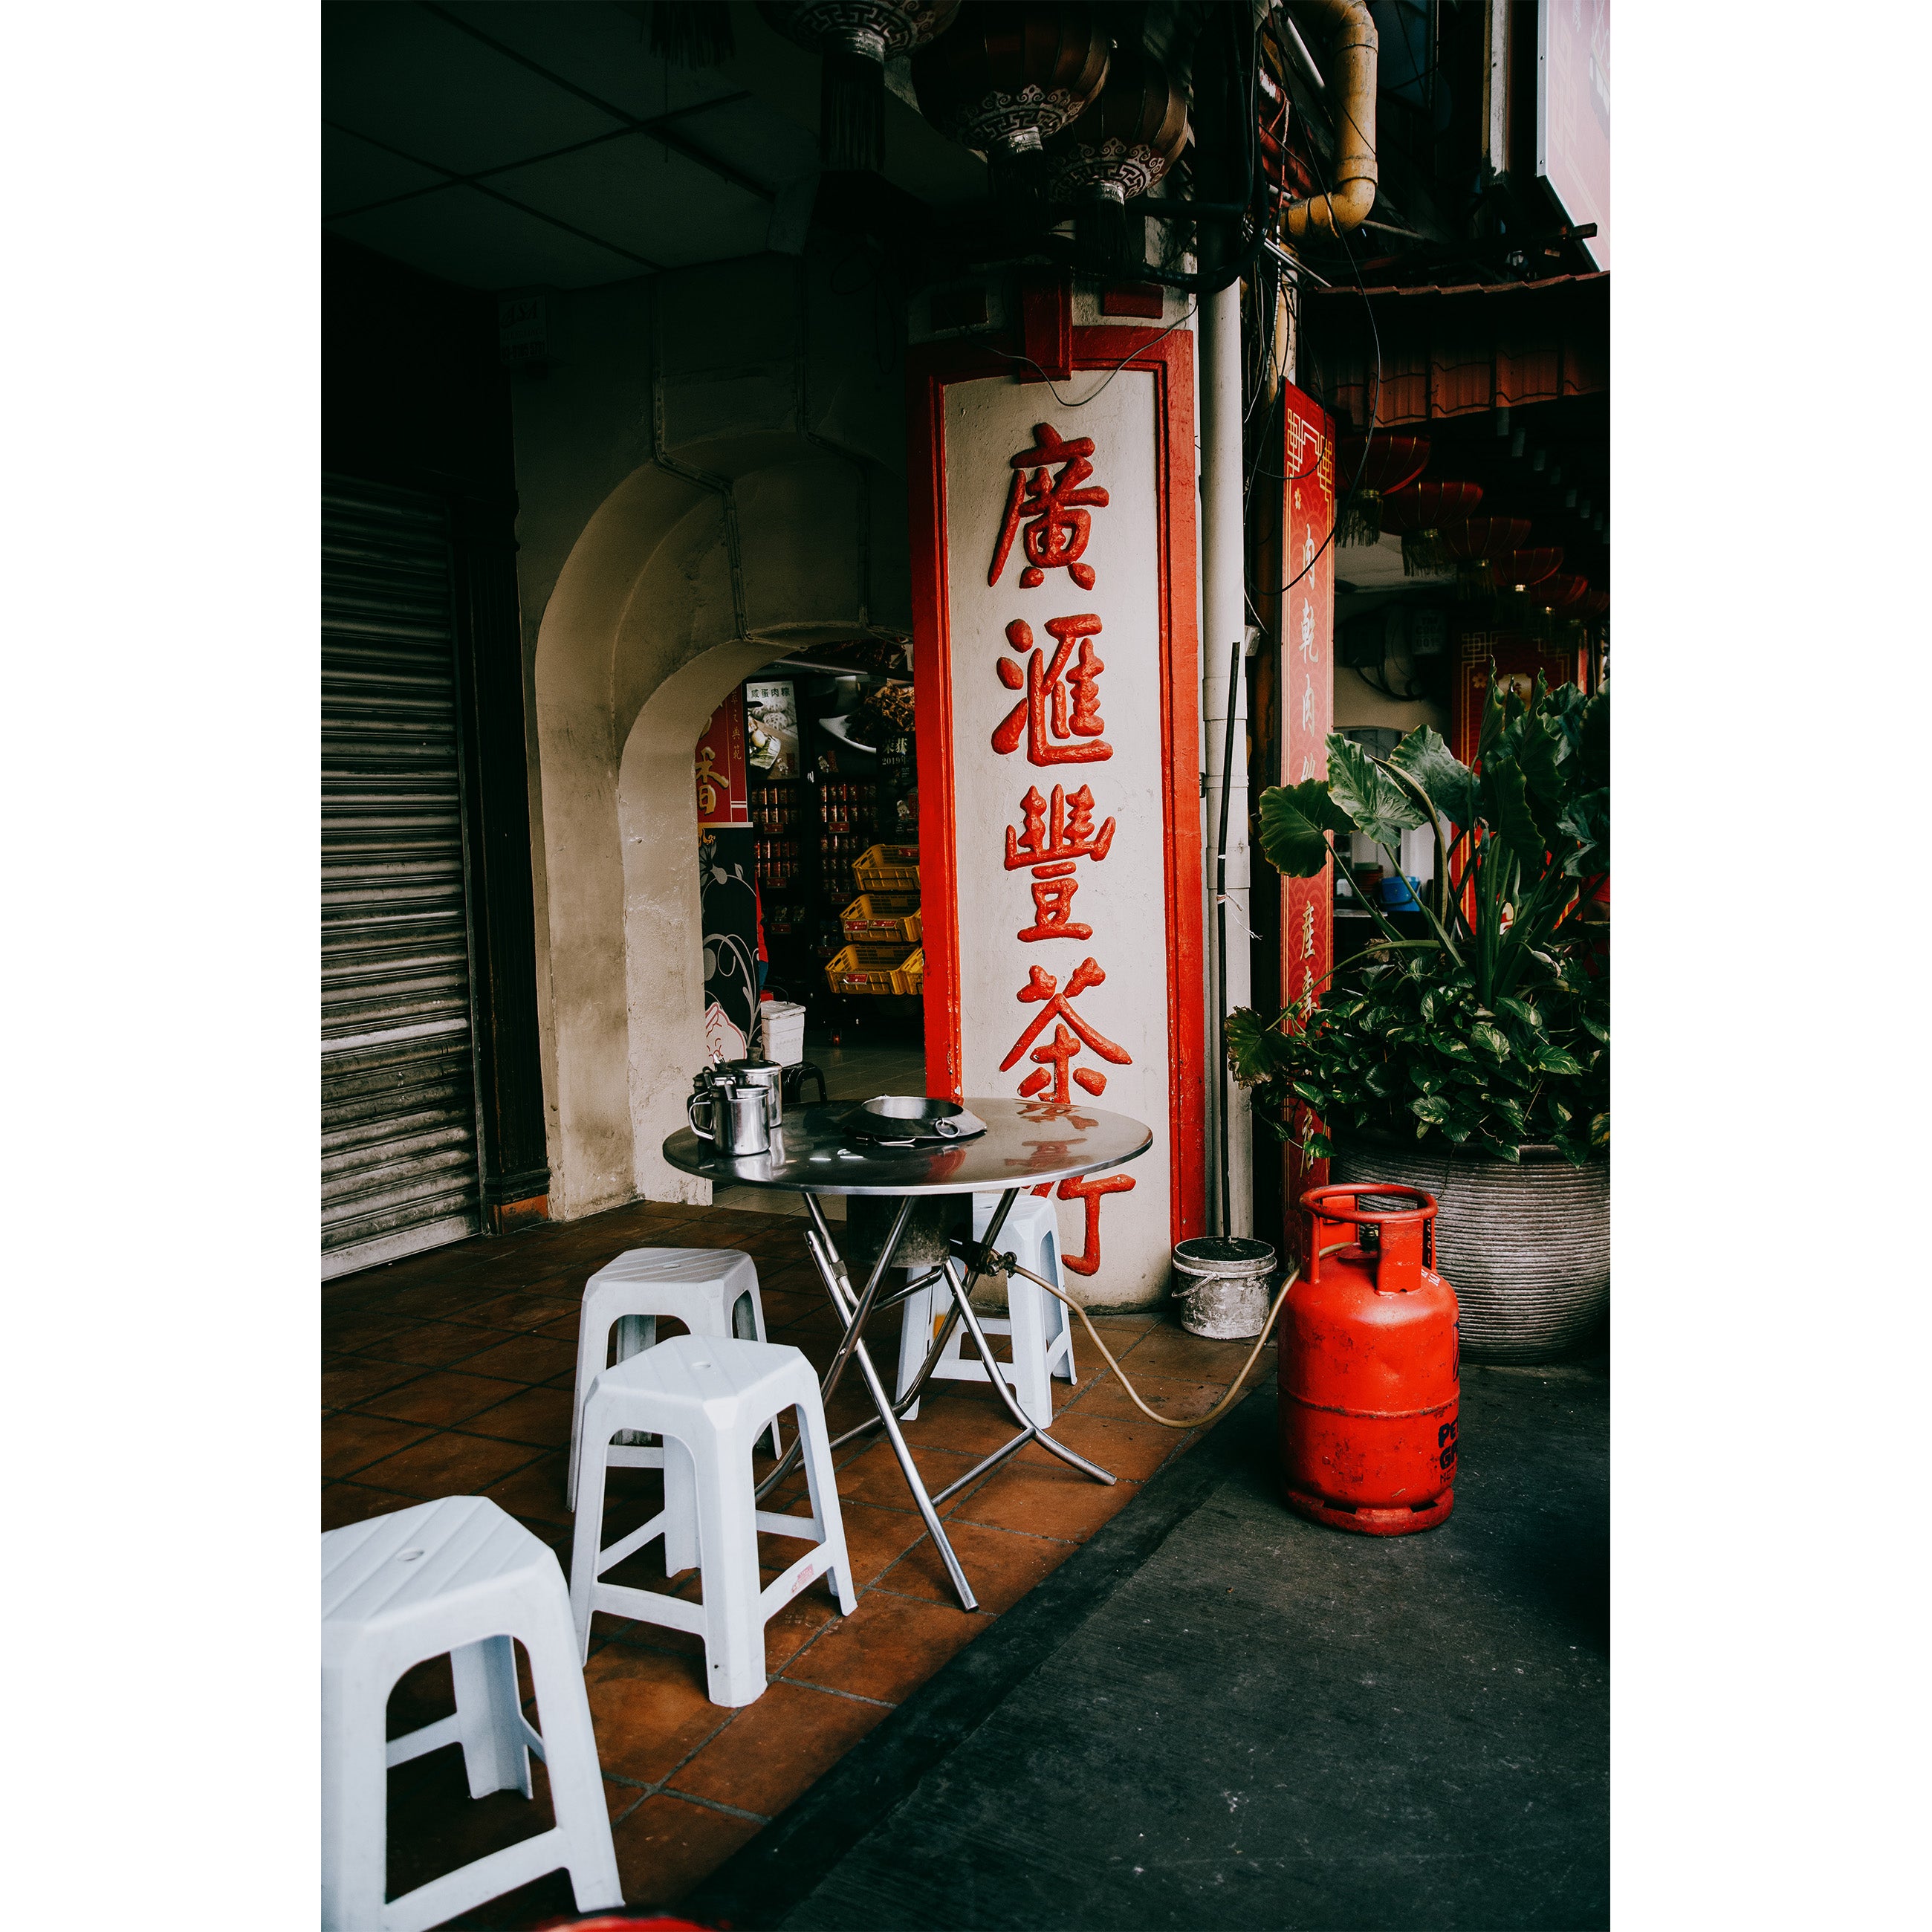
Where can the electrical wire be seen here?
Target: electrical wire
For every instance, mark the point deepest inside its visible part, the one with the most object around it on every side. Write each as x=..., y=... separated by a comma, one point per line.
x=1004, y=356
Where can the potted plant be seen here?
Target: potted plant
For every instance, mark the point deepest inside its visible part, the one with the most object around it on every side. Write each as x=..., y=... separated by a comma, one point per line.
x=1473, y=1061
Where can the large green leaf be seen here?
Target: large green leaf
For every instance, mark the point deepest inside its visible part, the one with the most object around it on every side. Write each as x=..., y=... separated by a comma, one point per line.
x=1449, y=783
x=1295, y=820
x=1506, y=806
x=1593, y=742
x=1378, y=805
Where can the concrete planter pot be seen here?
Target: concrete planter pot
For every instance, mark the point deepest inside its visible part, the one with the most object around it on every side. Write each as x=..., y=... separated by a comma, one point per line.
x=1526, y=1247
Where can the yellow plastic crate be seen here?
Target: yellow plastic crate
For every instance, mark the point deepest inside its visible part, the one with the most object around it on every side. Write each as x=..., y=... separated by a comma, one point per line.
x=865, y=969
x=887, y=869
x=881, y=919
x=910, y=977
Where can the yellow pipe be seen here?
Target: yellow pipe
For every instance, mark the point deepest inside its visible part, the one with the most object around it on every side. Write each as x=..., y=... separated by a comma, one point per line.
x=1352, y=43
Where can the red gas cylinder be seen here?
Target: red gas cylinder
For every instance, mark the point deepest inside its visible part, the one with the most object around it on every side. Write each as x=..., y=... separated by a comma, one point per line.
x=1369, y=1369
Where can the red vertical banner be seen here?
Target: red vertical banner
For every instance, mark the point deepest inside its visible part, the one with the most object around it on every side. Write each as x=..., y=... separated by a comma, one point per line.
x=723, y=783
x=1308, y=715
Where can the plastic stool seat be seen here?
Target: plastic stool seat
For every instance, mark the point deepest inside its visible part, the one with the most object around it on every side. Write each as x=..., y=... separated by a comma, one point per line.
x=456, y=1576
x=712, y=1291
x=709, y=1398
x=1042, y=1327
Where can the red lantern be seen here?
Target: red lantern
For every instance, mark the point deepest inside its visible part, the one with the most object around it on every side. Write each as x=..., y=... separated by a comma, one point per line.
x=1521, y=568
x=1476, y=543
x=1392, y=463
x=1123, y=143
x=854, y=39
x=1009, y=77
x=1598, y=603
x=1419, y=514
x=1563, y=596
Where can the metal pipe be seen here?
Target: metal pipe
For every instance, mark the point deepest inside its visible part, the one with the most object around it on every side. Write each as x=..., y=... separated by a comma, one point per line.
x=1223, y=618
x=1352, y=53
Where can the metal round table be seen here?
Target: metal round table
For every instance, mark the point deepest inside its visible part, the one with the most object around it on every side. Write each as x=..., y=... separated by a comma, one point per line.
x=1026, y=1144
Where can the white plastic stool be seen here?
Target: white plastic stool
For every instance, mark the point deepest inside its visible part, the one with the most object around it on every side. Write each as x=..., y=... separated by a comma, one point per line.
x=456, y=1576
x=1041, y=1328
x=710, y=1398
x=712, y=1291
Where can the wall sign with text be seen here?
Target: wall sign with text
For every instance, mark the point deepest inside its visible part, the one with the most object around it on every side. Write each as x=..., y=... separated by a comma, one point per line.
x=1056, y=677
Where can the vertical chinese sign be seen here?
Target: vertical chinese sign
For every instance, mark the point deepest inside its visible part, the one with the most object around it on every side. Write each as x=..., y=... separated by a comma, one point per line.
x=1057, y=672
x=1308, y=715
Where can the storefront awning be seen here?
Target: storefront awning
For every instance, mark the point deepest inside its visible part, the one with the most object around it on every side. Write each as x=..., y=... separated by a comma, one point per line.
x=1455, y=352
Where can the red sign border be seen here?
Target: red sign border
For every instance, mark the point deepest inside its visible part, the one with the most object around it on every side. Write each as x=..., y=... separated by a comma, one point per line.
x=1169, y=356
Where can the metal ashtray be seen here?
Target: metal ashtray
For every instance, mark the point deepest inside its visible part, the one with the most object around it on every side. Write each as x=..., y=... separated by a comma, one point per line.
x=900, y=1117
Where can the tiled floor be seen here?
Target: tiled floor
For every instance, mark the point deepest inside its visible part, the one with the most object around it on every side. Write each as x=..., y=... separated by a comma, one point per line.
x=450, y=1373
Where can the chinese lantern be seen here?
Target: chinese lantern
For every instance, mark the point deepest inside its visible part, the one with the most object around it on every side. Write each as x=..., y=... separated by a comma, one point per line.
x=1123, y=143
x=1533, y=592
x=1009, y=77
x=1597, y=604
x=1475, y=543
x=1393, y=463
x=1419, y=514
x=854, y=39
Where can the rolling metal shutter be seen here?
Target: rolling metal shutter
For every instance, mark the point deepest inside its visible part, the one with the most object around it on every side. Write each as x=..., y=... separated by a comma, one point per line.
x=399, y=1162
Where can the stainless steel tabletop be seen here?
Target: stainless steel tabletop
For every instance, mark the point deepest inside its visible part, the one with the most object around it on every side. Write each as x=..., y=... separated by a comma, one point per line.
x=1027, y=1142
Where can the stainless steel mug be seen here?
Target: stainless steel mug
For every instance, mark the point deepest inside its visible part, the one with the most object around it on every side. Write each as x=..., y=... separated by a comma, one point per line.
x=738, y=1121
x=766, y=1075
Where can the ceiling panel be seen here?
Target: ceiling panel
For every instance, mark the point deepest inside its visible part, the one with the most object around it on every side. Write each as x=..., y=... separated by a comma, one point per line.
x=748, y=136
x=599, y=47
x=354, y=173
x=402, y=75
x=463, y=236
x=636, y=193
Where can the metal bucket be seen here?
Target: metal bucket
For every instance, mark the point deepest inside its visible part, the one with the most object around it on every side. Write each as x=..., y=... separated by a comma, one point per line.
x=1222, y=1285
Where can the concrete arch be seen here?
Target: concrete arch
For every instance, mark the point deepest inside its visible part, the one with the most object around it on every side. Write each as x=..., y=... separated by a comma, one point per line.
x=761, y=535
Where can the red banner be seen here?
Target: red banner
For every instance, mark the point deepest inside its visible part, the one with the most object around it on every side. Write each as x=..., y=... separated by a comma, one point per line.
x=724, y=785
x=1308, y=715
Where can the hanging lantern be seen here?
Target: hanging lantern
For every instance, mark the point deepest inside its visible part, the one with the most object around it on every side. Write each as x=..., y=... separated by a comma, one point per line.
x=1008, y=76
x=853, y=40
x=1475, y=544
x=1420, y=513
x=1531, y=598
x=1123, y=143
x=1393, y=462
x=1597, y=604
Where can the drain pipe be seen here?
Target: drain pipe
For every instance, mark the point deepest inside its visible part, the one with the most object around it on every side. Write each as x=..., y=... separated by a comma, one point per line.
x=1352, y=55
x=1223, y=717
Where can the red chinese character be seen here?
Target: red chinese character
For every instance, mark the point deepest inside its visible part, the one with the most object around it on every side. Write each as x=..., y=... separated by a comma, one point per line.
x=1056, y=1006
x=1053, y=889
x=1046, y=716
x=1064, y=830
x=1089, y=1188
x=1057, y=527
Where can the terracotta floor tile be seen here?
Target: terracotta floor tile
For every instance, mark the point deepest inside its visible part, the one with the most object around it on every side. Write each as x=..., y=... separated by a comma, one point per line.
x=1169, y=1395
x=518, y=1313
x=537, y=1415
x=535, y=1491
x=795, y=1626
x=1002, y=1565
x=1169, y=1350
x=667, y=1844
x=349, y=1381
x=345, y=1503
x=435, y=1301
x=529, y=1358
x=420, y=1697
x=449, y=1465
x=432, y=1345
x=435, y=1826
x=875, y=1539
x=887, y=1648
x=969, y=1420
x=1047, y=1499
x=772, y=1750
x=352, y=1442
x=648, y=1709
x=440, y=1398
x=360, y=1328
x=1129, y=1446
x=874, y=1476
